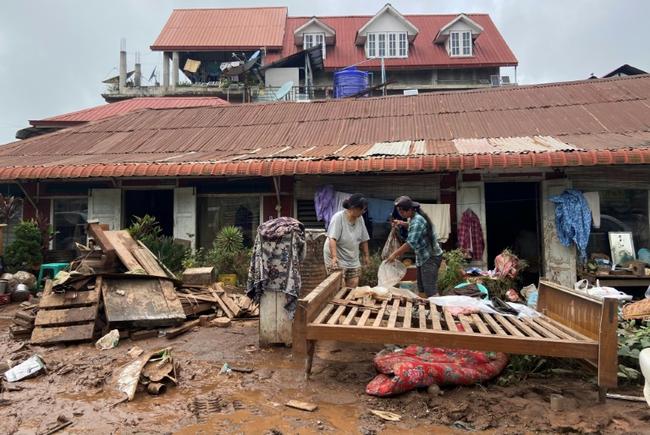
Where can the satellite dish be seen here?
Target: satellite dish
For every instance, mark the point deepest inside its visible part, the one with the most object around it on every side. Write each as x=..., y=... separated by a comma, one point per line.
x=284, y=90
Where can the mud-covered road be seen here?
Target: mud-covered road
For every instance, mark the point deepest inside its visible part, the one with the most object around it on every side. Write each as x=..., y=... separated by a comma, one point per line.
x=78, y=387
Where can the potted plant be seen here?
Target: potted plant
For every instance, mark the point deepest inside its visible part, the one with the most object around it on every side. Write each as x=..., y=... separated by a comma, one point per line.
x=229, y=255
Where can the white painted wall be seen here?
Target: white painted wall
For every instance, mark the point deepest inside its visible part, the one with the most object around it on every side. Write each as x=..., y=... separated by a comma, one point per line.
x=460, y=26
x=276, y=77
x=315, y=28
x=387, y=22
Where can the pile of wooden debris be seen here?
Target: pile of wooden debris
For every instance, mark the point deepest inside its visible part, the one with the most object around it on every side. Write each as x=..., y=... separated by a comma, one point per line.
x=120, y=284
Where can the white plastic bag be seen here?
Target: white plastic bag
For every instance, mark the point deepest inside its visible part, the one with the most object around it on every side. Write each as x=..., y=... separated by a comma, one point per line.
x=599, y=292
x=108, y=341
x=391, y=245
x=25, y=369
x=390, y=273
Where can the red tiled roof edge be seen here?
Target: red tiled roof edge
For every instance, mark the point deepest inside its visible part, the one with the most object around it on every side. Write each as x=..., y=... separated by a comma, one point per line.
x=277, y=167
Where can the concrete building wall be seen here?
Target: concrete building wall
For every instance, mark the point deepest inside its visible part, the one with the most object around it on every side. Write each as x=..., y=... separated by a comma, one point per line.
x=276, y=77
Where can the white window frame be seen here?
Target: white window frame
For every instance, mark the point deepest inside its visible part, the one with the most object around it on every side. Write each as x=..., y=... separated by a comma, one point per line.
x=394, y=45
x=312, y=39
x=460, y=44
x=371, y=46
x=402, y=45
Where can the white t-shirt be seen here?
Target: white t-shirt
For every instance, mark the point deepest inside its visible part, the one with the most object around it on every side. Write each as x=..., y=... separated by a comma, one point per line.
x=348, y=236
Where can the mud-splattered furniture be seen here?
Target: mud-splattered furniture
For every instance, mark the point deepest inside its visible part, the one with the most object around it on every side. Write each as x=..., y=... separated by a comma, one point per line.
x=570, y=326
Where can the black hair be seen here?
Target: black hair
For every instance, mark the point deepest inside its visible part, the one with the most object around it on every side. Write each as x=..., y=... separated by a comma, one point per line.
x=356, y=200
x=429, y=223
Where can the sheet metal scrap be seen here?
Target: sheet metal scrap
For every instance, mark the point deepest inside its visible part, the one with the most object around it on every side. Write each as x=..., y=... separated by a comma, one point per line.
x=153, y=365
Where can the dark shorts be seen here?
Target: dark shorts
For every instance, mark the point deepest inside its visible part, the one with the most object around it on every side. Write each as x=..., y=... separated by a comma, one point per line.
x=428, y=276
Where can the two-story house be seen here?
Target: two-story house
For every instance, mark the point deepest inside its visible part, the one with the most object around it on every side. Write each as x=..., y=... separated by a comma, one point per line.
x=424, y=52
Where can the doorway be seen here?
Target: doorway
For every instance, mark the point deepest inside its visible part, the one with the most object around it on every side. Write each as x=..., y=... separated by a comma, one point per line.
x=155, y=202
x=512, y=220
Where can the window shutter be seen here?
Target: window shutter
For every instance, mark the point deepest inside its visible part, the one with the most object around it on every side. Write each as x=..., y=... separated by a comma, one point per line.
x=105, y=206
x=185, y=214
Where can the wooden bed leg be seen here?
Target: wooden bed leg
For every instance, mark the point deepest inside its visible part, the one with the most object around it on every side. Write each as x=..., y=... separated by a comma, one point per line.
x=602, y=394
x=608, y=347
x=309, y=357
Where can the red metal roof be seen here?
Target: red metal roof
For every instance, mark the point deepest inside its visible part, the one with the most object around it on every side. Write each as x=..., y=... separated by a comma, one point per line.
x=490, y=49
x=126, y=106
x=591, y=122
x=212, y=29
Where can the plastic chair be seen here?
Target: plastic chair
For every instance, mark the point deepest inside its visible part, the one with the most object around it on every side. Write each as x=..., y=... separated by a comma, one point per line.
x=54, y=268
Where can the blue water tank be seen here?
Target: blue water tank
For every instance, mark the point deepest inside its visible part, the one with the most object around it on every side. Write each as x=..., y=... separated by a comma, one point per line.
x=349, y=81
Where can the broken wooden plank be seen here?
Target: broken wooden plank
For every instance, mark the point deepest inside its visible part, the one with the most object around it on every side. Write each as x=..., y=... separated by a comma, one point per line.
x=199, y=276
x=304, y=406
x=175, y=332
x=69, y=299
x=143, y=302
x=97, y=233
x=123, y=252
x=66, y=316
x=42, y=335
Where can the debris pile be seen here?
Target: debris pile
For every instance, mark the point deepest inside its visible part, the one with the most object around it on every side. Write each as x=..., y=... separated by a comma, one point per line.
x=119, y=284
x=23, y=321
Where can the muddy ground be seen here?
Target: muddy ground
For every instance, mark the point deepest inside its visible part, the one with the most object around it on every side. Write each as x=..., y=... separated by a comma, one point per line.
x=78, y=387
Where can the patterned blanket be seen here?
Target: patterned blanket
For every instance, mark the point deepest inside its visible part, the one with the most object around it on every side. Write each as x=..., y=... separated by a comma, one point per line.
x=419, y=367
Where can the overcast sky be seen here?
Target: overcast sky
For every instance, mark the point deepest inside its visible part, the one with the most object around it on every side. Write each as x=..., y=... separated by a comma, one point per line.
x=55, y=53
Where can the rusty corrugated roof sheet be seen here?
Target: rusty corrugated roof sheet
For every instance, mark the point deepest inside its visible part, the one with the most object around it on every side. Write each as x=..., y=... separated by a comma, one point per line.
x=604, y=121
x=490, y=49
x=212, y=29
x=126, y=106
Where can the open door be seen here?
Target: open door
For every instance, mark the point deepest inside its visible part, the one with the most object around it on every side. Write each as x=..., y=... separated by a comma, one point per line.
x=559, y=261
x=472, y=195
x=105, y=206
x=185, y=214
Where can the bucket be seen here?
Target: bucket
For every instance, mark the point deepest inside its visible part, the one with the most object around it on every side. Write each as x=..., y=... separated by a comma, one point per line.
x=4, y=285
x=228, y=278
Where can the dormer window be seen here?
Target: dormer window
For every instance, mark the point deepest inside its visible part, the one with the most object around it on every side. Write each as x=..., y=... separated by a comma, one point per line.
x=460, y=43
x=386, y=45
x=313, y=40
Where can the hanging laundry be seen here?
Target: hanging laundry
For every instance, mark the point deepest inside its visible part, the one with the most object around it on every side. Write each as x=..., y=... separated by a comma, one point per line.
x=441, y=218
x=573, y=220
x=324, y=202
x=277, y=256
x=470, y=235
x=339, y=197
x=380, y=210
x=593, y=199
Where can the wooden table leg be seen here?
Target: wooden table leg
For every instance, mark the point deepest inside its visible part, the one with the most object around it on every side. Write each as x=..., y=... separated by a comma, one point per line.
x=309, y=357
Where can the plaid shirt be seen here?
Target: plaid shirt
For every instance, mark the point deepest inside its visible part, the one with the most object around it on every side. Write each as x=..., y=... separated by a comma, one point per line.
x=417, y=240
x=470, y=235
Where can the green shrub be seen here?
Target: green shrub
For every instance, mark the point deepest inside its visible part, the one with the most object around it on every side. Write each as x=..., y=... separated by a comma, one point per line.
x=25, y=251
x=452, y=274
x=228, y=254
x=369, y=273
x=633, y=337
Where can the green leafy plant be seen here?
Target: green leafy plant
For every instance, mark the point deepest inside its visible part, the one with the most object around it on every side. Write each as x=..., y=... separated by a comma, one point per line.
x=369, y=273
x=452, y=274
x=147, y=230
x=228, y=253
x=24, y=253
x=633, y=336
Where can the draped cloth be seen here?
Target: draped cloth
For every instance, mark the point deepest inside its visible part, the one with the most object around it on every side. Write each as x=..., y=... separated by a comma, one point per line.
x=275, y=263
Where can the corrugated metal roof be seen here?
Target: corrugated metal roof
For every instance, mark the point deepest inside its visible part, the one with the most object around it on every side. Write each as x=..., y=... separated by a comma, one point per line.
x=253, y=28
x=210, y=29
x=490, y=49
x=604, y=121
x=126, y=106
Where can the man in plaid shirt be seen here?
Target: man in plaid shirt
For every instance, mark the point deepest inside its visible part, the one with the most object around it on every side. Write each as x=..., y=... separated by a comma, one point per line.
x=421, y=240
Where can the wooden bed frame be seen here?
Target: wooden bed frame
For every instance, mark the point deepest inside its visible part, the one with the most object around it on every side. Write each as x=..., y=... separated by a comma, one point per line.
x=571, y=326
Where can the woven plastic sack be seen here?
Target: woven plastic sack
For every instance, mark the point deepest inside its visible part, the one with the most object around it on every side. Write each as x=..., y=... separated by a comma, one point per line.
x=391, y=245
x=390, y=273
